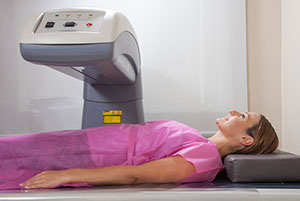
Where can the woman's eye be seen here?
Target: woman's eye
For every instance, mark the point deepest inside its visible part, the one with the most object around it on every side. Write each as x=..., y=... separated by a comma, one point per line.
x=243, y=116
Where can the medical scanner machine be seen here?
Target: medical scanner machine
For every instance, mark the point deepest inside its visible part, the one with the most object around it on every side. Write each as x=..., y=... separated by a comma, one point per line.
x=100, y=48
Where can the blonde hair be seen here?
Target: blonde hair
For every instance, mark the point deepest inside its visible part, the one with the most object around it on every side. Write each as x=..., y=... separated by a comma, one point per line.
x=265, y=138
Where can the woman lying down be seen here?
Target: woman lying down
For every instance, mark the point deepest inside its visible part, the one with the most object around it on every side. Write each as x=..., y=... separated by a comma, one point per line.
x=151, y=152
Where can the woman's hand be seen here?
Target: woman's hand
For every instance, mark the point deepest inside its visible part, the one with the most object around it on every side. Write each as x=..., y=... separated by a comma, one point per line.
x=47, y=179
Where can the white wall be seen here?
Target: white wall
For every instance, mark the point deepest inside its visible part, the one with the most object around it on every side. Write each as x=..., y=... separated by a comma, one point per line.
x=264, y=60
x=273, y=33
x=290, y=75
x=193, y=64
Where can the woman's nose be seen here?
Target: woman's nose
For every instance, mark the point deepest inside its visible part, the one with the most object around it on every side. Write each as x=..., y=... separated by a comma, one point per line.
x=233, y=112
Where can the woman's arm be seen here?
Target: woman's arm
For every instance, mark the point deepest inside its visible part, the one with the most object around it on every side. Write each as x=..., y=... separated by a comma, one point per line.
x=167, y=170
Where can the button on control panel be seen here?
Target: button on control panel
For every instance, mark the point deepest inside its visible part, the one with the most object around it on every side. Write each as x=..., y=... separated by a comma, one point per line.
x=70, y=24
x=50, y=25
x=71, y=21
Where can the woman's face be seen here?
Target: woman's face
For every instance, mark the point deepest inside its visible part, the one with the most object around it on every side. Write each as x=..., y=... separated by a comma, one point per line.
x=237, y=123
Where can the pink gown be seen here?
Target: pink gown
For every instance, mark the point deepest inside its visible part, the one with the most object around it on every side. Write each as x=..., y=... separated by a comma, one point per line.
x=24, y=156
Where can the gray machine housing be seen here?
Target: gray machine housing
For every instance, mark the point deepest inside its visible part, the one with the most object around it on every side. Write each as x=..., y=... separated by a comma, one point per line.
x=110, y=71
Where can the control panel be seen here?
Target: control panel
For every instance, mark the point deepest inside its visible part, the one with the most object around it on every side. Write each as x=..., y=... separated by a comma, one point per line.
x=73, y=21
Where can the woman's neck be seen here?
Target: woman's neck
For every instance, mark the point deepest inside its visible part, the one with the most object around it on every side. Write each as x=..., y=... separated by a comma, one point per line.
x=224, y=145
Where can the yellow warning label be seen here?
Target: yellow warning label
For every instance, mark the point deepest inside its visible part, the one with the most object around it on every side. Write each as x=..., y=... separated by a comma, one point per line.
x=112, y=112
x=112, y=116
x=112, y=119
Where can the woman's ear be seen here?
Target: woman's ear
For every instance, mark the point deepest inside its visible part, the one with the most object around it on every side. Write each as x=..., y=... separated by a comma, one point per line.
x=246, y=140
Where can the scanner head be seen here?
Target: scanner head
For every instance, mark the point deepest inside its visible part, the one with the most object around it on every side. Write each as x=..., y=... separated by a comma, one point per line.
x=96, y=46
x=75, y=26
